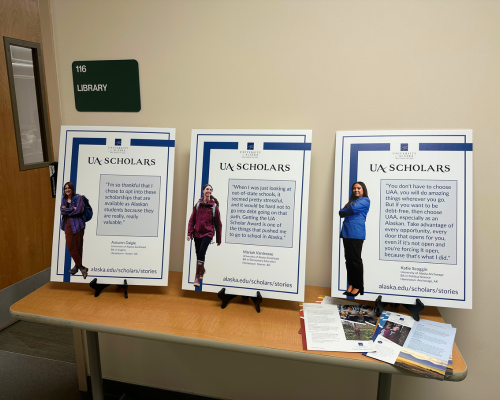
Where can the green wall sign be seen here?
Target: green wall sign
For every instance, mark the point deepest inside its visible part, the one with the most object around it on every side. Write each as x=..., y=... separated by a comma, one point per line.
x=111, y=85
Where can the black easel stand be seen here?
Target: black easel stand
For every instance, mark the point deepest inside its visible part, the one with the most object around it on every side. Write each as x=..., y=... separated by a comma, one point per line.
x=415, y=309
x=99, y=287
x=226, y=298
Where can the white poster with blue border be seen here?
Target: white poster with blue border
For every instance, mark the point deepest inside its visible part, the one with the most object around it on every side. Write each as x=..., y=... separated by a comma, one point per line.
x=417, y=223
x=125, y=175
x=261, y=181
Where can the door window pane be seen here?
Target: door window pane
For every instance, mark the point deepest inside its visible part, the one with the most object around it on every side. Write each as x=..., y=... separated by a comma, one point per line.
x=27, y=104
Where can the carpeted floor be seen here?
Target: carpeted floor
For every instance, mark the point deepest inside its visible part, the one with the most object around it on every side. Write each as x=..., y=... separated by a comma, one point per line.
x=24, y=377
x=39, y=340
x=37, y=362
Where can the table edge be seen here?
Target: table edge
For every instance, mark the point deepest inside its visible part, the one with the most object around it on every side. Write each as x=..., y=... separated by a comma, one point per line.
x=220, y=345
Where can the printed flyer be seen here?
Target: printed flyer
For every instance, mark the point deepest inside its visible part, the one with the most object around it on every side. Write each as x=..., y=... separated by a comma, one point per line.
x=358, y=323
x=113, y=205
x=402, y=220
x=246, y=223
x=325, y=329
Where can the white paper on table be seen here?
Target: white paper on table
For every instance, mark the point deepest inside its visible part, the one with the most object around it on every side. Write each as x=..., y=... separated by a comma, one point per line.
x=324, y=331
x=432, y=339
x=429, y=322
x=385, y=350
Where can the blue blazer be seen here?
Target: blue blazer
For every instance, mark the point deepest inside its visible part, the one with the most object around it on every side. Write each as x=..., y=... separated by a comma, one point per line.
x=355, y=218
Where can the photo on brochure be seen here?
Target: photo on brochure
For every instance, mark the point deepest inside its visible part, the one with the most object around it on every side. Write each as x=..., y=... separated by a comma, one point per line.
x=369, y=314
x=357, y=331
x=351, y=313
x=396, y=333
x=422, y=364
x=358, y=313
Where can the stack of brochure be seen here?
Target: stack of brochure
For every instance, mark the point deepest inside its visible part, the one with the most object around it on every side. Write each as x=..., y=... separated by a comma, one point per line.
x=337, y=325
x=423, y=347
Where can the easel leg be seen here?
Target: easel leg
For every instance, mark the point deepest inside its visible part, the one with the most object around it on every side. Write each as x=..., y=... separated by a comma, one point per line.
x=225, y=298
x=125, y=288
x=379, y=306
x=415, y=309
x=384, y=386
x=257, y=300
x=98, y=287
x=95, y=365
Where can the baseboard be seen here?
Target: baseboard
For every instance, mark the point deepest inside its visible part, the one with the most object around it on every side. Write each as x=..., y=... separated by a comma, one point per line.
x=17, y=291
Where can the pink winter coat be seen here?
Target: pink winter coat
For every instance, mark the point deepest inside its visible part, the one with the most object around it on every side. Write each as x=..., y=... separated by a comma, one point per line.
x=202, y=221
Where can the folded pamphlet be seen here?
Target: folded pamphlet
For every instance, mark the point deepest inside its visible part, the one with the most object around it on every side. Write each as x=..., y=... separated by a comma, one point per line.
x=423, y=347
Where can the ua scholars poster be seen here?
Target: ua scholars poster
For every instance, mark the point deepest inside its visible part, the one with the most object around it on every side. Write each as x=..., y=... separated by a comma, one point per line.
x=126, y=174
x=416, y=221
x=260, y=179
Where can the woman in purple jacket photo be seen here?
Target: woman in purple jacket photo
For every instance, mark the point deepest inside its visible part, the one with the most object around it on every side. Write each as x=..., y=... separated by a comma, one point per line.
x=203, y=225
x=353, y=235
x=73, y=224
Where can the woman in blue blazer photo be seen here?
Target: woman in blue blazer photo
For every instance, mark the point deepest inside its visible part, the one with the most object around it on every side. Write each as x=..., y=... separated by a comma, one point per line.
x=353, y=234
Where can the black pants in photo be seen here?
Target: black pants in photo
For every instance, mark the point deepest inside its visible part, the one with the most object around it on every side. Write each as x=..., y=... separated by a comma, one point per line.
x=353, y=262
x=201, y=246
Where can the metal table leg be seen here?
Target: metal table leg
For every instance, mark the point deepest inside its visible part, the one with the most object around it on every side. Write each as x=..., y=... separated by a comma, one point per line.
x=384, y=386
x=95, y=365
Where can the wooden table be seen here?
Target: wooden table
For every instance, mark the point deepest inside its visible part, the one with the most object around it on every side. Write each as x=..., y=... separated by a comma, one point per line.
x=195, y=318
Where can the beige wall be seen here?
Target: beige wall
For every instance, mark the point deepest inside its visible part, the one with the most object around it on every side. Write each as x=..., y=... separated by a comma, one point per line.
x=50, y=71
x=320, y=65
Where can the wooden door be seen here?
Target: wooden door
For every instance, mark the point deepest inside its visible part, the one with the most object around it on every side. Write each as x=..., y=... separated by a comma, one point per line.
x=26, y=204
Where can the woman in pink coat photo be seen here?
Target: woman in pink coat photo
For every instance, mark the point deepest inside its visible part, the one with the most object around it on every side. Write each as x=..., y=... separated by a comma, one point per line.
x=203, y=225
